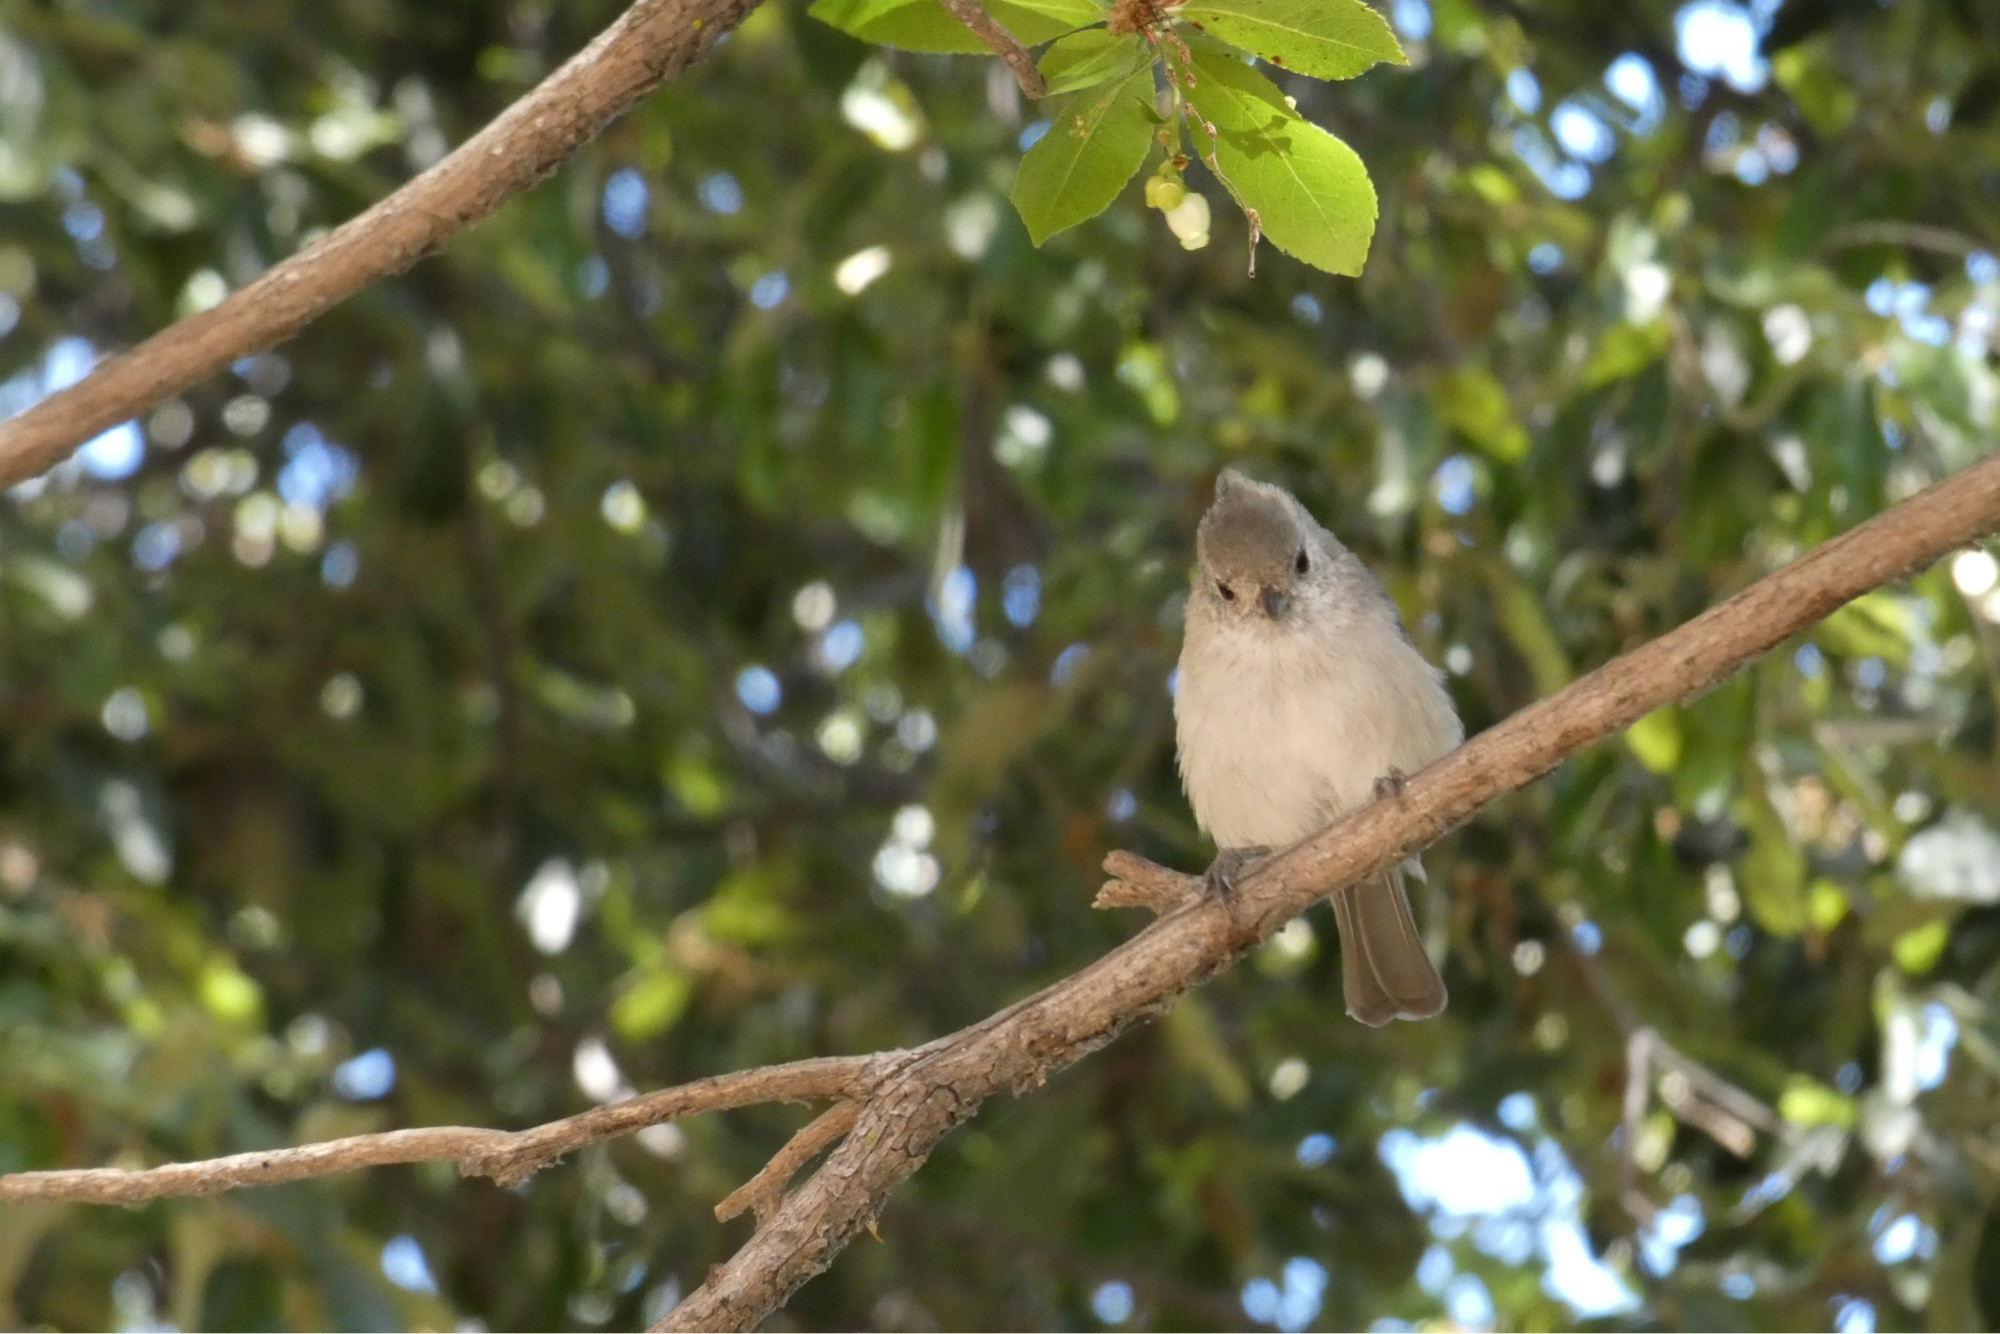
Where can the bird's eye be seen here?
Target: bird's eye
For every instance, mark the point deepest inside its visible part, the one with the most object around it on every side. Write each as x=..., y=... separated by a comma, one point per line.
x=1302, y=564
x=1228, y=593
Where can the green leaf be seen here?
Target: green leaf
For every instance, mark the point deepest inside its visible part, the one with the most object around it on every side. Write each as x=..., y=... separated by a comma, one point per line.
x=1625, y=350
x=1810, y=72
x=1917, y=952
x=1038, y=21
x=1656, y=740
x=1807, y=1102
x=1142, y=368
x=1872, y=626
x=911, y=25
x=925, y=25
x=746, y=909
x=1827, y=906
x=1195, y=1041
x=1476, y=406
x=1088, y=58
x=649, y=1006
x=1328, y=39
x=229, y=994
x=1093, y=146
x=1526, y=625
x=1774, y=870
x=1310, y=191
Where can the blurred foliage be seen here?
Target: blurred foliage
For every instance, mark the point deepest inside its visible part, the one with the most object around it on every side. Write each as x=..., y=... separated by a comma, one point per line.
x=720, y=611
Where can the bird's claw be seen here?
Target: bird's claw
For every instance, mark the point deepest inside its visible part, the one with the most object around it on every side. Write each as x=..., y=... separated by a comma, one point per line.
x=1390, y=784
x=1228, y=867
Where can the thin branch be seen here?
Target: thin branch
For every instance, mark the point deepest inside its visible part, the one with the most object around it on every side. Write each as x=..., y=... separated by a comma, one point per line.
x=907, y=1101
x=1703, y=1083
x=1915, y=235
x=1646, y=1050
x=1632, y=1122
x=1678, y=1093
x=762, y=1193
x=506, y=1156
x=798, y=1081
x=650, y=43
x=482, y=571
x=1692, y=1092
x=1138, y=883
x=1001, y=43
x=118, y=1185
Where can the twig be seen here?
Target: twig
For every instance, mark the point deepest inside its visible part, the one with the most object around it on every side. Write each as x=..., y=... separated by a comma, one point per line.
x=1138, y=883
x=1677, y=1092
x=762, y=1193
x=1002, y=44
x=650, y=43
x=1695, y=1094
x=1915, y=235
x=1181, y=78
x=1725, y=1097
x=1705, y=1101
x=798, y=1081
x=506, y=1156
x=1638, y=1090
x=482, y=569
x=907, y=1101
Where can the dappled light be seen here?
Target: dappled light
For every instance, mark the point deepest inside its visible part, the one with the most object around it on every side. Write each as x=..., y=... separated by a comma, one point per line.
x=721, y=611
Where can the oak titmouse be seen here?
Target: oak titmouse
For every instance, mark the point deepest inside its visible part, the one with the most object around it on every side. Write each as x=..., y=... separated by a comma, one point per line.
x=1299, y=695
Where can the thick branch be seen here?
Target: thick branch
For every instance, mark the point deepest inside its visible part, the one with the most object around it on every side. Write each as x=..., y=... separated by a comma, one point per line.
x=506, y=1156
x=650, y=43
x=1001, y=43
x=949, y=1080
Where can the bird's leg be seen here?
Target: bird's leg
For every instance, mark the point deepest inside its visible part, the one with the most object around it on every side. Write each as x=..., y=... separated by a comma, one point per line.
x=1389, y=784
x=1228, y=868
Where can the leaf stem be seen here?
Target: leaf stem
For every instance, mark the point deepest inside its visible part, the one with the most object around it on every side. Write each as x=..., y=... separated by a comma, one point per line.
x=1185, y=105
x=1002, y=43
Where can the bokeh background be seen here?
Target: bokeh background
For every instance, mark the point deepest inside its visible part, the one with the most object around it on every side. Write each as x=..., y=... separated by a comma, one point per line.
x=720, y=610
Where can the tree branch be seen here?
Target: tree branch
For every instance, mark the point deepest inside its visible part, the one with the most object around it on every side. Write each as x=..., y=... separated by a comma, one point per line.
x=506, y=1156
x=905, y=1102
x=1138, y=883
x=1915, y=235
x=118, y=1185
x=1001, y=42
x=762, y=1193
x=650, y=43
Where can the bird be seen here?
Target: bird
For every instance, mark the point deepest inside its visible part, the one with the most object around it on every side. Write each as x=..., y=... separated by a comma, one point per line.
x=1299, y=696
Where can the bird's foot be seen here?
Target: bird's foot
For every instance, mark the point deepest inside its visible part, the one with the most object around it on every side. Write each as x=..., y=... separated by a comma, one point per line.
x=1390, y=784
x=1228, y=868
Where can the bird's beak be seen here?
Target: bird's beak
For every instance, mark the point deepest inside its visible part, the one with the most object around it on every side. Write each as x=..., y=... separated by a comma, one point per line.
x=1275, y=603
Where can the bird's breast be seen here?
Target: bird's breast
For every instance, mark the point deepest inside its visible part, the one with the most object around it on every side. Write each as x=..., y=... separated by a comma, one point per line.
x=1280, y=733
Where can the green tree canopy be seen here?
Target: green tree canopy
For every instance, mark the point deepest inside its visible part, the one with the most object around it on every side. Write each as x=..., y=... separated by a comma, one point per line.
x=721, y=610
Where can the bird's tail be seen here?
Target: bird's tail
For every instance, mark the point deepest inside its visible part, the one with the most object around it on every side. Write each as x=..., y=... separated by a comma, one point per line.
x=1383, y=968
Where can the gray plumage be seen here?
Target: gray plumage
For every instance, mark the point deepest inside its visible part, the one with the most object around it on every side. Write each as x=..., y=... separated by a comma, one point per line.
x=1298, y=691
